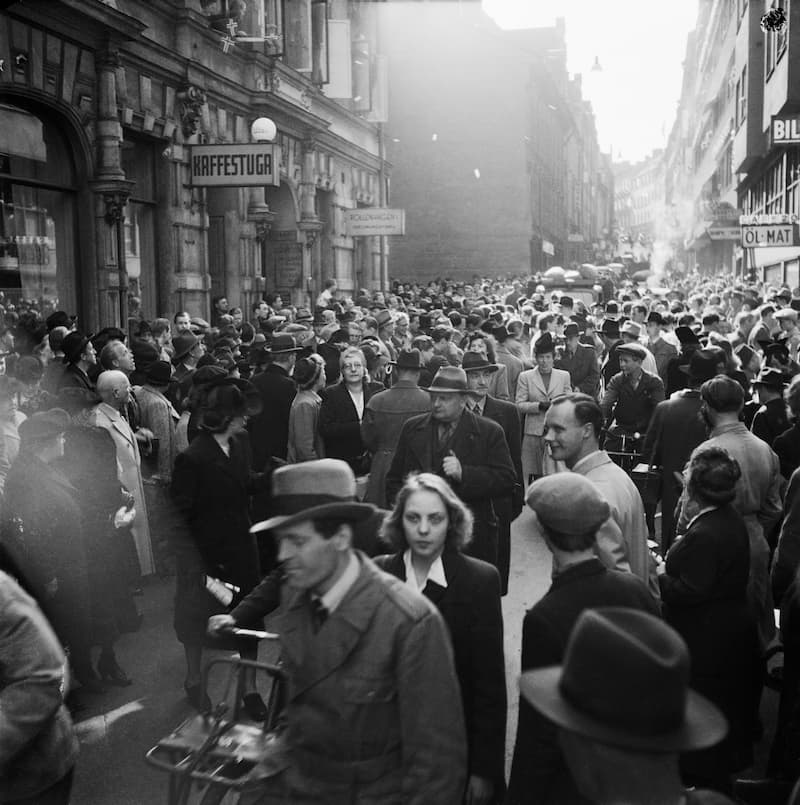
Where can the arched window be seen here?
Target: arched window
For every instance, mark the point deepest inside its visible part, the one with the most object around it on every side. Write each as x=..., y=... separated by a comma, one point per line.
x=38, y=253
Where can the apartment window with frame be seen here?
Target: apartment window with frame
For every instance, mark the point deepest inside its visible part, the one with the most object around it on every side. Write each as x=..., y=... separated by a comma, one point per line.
x=793, y=183
x=776, y=187
x=741, y=98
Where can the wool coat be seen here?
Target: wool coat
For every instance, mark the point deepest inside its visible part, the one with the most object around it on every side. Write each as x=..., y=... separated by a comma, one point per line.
x=487, y=471
x=539, y=773
x=269, y=430
x=470, y=606
x=384, y=417
x=583, y=368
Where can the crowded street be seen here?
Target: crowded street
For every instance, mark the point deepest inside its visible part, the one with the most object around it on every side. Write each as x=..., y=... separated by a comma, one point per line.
x=399, y=402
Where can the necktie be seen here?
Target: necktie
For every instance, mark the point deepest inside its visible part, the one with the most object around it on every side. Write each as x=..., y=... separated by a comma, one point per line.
x=319, y=613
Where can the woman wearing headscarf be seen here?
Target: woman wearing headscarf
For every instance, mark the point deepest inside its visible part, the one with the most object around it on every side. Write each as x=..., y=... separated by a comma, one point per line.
x=428, y=527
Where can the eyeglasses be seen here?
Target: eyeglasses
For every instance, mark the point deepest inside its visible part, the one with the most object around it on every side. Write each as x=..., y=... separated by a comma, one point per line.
x=353, y=366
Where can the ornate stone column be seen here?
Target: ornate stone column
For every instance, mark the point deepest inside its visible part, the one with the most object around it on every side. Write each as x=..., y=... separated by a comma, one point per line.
x=112, y=191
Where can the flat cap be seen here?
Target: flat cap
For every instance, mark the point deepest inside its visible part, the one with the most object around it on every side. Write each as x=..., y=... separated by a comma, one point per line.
x=44, y=425
x=632, y=349
x=568, y=503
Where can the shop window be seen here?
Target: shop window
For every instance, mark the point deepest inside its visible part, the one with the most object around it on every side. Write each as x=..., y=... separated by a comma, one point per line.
x=138, y=162
x=38, y=245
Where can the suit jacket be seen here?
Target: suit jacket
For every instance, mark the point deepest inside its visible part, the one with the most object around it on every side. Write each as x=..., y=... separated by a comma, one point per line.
x=583, y=369
x=340, y=426
x=374, y=713
x=470, y=606
x=487, y=471
x=514, y=365
x=675, y=430
x=129, y=462
x=74, y=377
x=538, y=771
x=269, y=431
x=610, y=364
x=531, y=391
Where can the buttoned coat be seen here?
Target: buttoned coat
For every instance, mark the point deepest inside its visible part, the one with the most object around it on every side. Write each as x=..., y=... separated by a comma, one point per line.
x=583, y=368
x=514, y=365
x=212, y=493
x=487, y=471
x=538, y=772
x=470, y=606
x=129, y=462
x=622, y=539
x=384, y=417
x=632, y=408
x=770, y=421
x=531, y=391
x=157, y=414
x=305, y=442
x=269, y=430
x=340, y=426
x=373, y=712
x=675, y=430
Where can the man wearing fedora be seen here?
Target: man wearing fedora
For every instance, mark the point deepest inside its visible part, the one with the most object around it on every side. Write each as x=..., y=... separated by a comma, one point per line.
x=269, y=431
x=690, y=343
x=469, y=451
x=569, y=510
x=675, y=430
x=506, y=415
x=661, y=349
x=771, y=418
x=580, y=360
x=384, y=416
x=610, y=336
x=631, y=333
x=624, y=710
x=79, y=356
x=188, y=348
x=373, y=709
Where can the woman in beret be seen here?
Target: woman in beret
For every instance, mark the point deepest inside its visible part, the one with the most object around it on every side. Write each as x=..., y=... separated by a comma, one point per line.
x=704, y=593
x=428, y=527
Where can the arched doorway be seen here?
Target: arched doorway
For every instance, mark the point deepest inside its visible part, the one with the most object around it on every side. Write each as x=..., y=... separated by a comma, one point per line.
x=39, y=203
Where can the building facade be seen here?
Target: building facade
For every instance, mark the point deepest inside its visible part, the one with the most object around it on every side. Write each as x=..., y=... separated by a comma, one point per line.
x=101, y=105
x=493, y=150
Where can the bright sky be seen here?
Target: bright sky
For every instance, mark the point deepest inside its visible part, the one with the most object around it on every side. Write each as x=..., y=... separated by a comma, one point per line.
x=640, y=44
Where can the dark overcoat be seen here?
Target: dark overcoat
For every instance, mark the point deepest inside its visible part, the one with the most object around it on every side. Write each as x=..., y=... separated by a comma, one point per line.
x=583, y=368
x=538, y=772
x=269, y=430
x=704, y=594
x=675, y=430
x=73, y=377
x=770, y=421
x=340, y=426
x=507, y=507
x=487, y=471
x=470, y=606
x=212, y=491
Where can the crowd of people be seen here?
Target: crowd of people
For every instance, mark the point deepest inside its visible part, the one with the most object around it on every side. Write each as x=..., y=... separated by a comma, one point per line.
x=354, y=467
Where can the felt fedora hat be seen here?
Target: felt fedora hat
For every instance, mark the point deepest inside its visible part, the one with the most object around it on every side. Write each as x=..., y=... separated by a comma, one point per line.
x=282, y=344
x=610, y=328
x=408, y=359
x=702, y=365
x=449, y=380
x=625, y=682
x=44, y=425
x=183, y=344
x=475, y=362
x=73, y=345
x=312, y=490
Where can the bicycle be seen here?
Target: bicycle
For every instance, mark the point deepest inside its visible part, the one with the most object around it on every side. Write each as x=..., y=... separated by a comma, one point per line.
x=212, y=759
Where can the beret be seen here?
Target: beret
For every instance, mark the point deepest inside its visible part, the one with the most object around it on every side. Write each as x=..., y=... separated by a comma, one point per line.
x=634, y=350
x=568, y=503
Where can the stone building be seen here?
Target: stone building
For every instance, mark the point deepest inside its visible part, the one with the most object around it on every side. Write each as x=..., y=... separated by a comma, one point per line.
x=100, y=106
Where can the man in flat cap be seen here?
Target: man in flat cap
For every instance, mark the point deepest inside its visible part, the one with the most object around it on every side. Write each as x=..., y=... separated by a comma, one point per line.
x=631, y=396
x=569, y=509
x=469, y=451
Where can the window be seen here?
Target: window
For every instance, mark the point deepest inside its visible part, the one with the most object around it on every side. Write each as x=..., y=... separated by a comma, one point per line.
x=741, y=98
x=775, y=188
x=775, y=42
x=38, y=215
x=793, y=182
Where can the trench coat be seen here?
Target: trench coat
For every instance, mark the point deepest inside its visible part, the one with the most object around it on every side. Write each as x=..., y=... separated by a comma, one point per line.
x=212, y=492
x=373, y=709
x=470, y=606
x=704, y=595
x=384, y=417
x=487, y=471
x=129, y=462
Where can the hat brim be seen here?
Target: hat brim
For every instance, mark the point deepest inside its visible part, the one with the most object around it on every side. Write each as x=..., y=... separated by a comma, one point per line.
x=349, y=510
x=703, y=724
x=439, y=390
x=283, y=351
x=489, y=367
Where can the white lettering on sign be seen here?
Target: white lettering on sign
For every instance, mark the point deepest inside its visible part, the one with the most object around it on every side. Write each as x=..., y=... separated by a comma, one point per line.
x=763, y=220
x=786, y=130
x=765, y=236
x=375, y=221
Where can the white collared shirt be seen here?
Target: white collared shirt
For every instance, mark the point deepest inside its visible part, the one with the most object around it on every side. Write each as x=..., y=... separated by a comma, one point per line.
x=358, y=401
x=336, y=594
x=435, y=573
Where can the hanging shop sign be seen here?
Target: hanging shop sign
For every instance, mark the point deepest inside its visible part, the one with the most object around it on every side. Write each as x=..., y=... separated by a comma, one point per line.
x=766, y=235
x=375, y=221
x=237, y=165
x=721, y=230
x=785, y=130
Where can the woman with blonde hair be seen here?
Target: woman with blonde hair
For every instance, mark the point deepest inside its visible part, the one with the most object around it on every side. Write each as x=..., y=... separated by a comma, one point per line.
x=428, y=528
